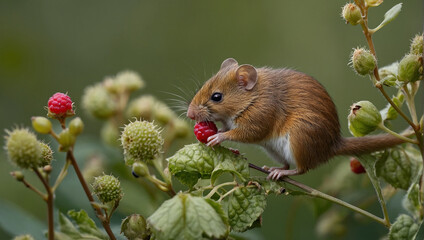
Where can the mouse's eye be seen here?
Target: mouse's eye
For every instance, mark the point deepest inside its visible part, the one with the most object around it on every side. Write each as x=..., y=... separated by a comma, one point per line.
x=216, y=97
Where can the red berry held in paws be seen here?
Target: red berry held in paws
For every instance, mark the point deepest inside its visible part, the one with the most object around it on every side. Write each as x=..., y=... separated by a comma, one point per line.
x=203, y=130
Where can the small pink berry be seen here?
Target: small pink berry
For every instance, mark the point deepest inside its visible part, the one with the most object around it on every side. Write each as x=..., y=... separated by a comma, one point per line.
x=203, y=130
x=356, y=166
x=60, y=104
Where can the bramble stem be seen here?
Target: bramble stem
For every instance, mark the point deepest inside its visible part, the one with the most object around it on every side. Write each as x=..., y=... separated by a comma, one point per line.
x=315, y=193
x=384, y=128
x=84, y=185
x=49, y=201
x=28, y=185
x=62, y=175
x=213, y=191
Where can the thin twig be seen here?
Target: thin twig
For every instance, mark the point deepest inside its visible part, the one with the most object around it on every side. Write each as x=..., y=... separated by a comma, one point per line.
x=315, y=193
x=49, y=201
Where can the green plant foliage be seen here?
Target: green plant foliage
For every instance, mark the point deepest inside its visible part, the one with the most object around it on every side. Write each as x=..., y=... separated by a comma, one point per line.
x=404, y=228
x=245, y=206
x=84, y=227
x=197, y=161
x=188, y=217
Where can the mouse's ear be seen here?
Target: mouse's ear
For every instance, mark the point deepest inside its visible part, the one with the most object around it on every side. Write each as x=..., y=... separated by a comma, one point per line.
x=247, y=76
x=228, y=62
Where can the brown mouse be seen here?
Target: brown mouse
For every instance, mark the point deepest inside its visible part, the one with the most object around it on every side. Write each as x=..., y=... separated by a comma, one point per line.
x=288, y=113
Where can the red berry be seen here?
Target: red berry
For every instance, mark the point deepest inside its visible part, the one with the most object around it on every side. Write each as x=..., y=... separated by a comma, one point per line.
x=60, y=104
x=203, y=130
x=356, y=166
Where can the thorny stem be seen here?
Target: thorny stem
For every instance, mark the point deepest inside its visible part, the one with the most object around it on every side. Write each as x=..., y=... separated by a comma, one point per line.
x=28, y=185
x=49, y=201
x=84, y=185
x=315, y=193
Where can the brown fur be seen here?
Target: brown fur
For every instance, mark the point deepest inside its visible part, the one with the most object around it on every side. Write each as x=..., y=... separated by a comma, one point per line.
x=281, y=102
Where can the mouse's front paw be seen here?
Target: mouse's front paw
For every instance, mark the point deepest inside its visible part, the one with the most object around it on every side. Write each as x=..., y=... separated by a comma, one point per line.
x=216, y=139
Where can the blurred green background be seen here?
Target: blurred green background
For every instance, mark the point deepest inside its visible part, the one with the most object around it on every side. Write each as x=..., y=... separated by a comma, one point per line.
x=51, y=46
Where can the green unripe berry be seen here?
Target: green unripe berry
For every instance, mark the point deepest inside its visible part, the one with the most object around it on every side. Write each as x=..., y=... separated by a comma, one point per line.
x=140, y=169
x=76, y=126
x=134, y=227
x=110, y=134
x=364, y=118
x=417, y=45
x=363, y=61
x=99, y=102
x=66, y=140
x=141, y=141
x=24, y=237
x=129, y=81
x=107, y=188
x=410, y=69
x=181, y=127
x=162, y=113
x=41, y=125
x=23, y=148
x=141, y=107
x=352, y=14
x=46, y=154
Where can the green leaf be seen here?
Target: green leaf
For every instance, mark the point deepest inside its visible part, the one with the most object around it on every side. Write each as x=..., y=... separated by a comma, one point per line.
x=86, y=224
x=268, y=186
x=67, y=230
x=389, y=113
x=188, y=217
x=404, y=228
x=246, y=205
x=196, y=161
x=389, y=16
x=420, y=233
x=231, y=163
x=396, y=168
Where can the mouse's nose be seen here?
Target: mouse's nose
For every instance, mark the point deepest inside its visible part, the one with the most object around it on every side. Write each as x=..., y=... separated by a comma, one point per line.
x=190, y=113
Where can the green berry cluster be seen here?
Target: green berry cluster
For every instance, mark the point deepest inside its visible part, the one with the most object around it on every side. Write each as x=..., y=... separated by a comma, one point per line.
x=107, y=188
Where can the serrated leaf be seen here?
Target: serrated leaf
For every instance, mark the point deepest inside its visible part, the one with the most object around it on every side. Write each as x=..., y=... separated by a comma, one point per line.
x=395, y=167
x=245, y=206
x=403, y=229
x=390, y=15
x=86, y=224
x=196, y=161
x=188, y=217
x=420, y=232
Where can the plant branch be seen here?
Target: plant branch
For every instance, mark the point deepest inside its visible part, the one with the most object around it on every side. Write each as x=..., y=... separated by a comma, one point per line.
x=28, y=185
x=315, y=193
x=384, y=128
x=62, y=175
x=84, y=185
x=213, y=191
x=49, y=201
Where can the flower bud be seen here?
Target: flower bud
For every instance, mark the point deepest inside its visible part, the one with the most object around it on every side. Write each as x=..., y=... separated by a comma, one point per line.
x=140, y=169
x=364, y=118
x=110, y=134
x=23, y=148
x=18, y=175
x=352, y=14
x=134, y=227
x=76, y=126
x=417, y=45
x=66, y=140
x=410, y=68
x=141, y=107
x=24, y=237
x=111, y=85
x=98, y=102
x=363, y=61
x=41, y=125
x=46, y=154
x=107, y=188
x=373, y=3
x=141, y=141
x=129, y=80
